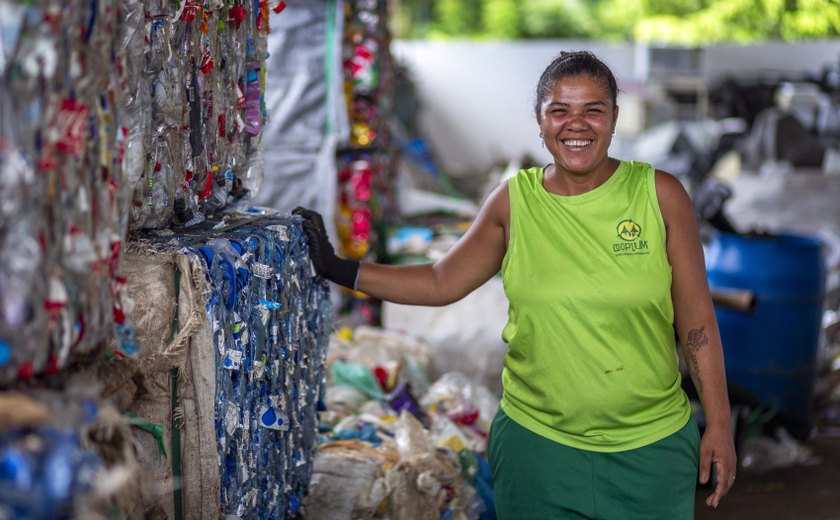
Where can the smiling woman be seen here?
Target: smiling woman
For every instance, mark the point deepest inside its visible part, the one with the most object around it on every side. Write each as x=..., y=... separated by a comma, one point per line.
x=601, y=262
x=577, y=118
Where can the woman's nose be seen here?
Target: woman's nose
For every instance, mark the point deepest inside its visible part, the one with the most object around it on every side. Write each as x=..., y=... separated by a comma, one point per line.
x=576, y=120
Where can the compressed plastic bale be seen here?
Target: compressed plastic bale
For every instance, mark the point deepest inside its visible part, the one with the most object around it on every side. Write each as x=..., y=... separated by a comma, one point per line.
x=249, y=350
x=96, y=100
x=63, y=192
x=271, y=338
x=196, y=76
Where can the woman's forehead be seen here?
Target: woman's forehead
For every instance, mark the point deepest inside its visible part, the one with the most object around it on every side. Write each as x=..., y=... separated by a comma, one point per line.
x=578, y=86
x=580, y=79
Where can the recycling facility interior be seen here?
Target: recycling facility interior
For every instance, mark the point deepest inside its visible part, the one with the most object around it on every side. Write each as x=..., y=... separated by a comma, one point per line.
x=166, y=353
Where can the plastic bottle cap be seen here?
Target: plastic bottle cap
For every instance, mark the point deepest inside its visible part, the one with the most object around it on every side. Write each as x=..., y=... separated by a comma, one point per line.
x=207, y=253
x=229, y=274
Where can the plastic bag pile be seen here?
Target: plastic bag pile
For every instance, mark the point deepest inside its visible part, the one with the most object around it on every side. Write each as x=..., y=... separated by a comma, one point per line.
x=393, y=445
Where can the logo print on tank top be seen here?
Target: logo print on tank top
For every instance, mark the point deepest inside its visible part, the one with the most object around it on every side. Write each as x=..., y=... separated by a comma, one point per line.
x=629, y=232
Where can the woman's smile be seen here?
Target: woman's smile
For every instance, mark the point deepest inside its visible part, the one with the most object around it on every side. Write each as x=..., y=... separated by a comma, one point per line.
x=576, y=144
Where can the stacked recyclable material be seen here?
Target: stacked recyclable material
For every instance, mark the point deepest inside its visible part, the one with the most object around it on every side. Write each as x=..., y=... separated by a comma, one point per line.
x=195, y=76
x=393, y=445
x=365, y=182
x=232, y=305
x=62, y=185
x=125, y=117
x=116, y=115
x=62, y=456
x=365, y=165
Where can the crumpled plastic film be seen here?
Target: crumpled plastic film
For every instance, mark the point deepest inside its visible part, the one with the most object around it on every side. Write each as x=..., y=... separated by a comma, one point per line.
x=196, y=107
x=430, y=439
x=348, y=481
x=61, y=188
x=270, y=321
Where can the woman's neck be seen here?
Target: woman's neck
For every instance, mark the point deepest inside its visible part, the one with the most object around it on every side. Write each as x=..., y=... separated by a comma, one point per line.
x=563, y=182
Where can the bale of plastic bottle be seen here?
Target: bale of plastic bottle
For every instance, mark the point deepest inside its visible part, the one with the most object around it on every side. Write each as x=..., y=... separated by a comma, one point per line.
x=236, y=329
x=61, y=205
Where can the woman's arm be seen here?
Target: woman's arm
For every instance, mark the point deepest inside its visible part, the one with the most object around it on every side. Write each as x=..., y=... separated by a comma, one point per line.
x=698, y=332
x=473, y=260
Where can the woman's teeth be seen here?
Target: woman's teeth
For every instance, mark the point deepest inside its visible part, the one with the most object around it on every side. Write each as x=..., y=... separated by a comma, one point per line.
x=575, y=143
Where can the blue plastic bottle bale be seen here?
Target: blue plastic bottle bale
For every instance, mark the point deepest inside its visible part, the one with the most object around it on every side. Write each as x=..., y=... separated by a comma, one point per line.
x=771, y=350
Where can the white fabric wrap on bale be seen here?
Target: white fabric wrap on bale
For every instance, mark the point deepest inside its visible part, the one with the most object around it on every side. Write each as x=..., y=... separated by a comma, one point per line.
x=151, y=285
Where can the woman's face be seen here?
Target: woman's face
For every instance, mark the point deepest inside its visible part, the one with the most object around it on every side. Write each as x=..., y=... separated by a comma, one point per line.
x=577, y=121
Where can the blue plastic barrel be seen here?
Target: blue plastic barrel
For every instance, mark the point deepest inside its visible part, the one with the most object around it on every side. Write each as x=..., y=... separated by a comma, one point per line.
x=771, y=350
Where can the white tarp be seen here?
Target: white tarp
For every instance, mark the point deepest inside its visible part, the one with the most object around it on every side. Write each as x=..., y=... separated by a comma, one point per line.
x=307, y=114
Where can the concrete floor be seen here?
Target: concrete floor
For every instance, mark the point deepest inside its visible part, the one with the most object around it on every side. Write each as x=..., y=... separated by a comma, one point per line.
x=793, y=493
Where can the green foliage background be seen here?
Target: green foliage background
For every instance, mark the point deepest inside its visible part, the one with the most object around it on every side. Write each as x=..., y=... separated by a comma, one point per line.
x=677, y=22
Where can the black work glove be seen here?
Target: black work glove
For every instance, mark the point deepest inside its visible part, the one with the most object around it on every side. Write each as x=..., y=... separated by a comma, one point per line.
x=322, y=254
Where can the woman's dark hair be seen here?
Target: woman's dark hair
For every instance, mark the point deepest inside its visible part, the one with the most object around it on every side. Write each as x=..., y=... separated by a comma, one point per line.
x=571, y=65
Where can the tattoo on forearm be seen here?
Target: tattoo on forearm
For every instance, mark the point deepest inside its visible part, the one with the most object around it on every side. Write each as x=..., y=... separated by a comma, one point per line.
x=697, y=339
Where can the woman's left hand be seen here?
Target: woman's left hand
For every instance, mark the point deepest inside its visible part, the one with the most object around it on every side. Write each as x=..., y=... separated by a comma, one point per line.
x=717, y=452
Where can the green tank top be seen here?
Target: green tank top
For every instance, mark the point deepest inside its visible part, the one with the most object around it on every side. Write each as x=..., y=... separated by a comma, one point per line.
x=592, y=360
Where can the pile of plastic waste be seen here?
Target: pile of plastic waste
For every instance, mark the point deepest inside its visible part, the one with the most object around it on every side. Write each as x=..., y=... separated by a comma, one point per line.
x=395, y=445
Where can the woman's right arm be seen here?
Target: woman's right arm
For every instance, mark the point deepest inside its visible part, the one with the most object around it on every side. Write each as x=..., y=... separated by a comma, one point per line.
x=473, y=260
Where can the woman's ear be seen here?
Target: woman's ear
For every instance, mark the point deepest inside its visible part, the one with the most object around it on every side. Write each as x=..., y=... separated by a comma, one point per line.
x=615, y=119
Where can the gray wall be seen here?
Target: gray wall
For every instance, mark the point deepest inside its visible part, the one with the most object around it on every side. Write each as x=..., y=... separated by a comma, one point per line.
x=477, y=97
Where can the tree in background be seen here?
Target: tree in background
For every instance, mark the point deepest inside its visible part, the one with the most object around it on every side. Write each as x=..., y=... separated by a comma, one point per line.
x=681, y=22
